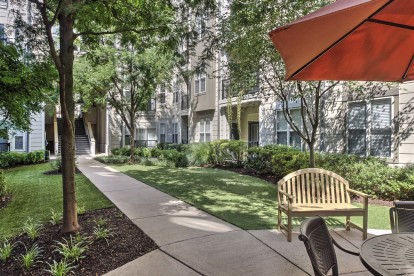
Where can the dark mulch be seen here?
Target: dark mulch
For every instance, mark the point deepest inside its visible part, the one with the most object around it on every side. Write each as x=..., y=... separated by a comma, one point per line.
x=5, y=200
x=56, y=172
x=127, y=243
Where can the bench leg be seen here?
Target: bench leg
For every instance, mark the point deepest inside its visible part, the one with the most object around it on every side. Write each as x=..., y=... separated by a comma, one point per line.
x=279, y=218
x=289, y=232
x=347, y=223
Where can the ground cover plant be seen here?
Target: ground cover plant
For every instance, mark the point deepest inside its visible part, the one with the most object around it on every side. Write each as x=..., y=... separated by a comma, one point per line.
x=245, y=201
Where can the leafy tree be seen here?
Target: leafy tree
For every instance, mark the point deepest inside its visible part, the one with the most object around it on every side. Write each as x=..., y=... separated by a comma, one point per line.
x=246, y=27
x=89, y=21
x=25, y=86
x=126, y=78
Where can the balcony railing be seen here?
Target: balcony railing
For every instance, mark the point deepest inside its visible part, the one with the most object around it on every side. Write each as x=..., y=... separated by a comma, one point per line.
x=4, y=147
x=146, y=143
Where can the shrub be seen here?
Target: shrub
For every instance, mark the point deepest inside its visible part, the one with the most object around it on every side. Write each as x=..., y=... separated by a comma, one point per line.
x=198, y=154
x=121, y=151
x=57, y=164
x=113, y=159
x=277, y=160
x=179, y=159
x=11, y=159
x=169, y=146
x=236, y=149
x=3, y=187
x=217, y=154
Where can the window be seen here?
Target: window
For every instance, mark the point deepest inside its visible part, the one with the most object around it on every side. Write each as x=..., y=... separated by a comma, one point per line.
x=151, y=104
x=3, y=37
x=127, y=137
x=18, y=142
x=162, y=133
x=175, y=133
x=146, y=137
x=201, y=27
x=380, y=142
x=152, y=137
x=162, y=93
x=200, y=83
x=357, y=114
x=205, y=135
x=284, y=134
x=176, y=92
x=369, y=128
x=225, y=85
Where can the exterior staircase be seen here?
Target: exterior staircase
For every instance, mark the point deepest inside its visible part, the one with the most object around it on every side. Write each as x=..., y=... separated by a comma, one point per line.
x=81, y=139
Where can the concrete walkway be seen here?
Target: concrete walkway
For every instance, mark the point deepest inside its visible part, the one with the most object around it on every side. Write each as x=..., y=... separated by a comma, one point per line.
x=192, y=242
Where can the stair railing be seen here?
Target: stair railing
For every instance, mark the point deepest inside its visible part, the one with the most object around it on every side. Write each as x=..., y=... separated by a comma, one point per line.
x=89, y=133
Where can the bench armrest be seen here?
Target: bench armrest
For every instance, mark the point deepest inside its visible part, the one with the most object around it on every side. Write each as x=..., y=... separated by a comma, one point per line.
x=359, y=193
x=290, y=197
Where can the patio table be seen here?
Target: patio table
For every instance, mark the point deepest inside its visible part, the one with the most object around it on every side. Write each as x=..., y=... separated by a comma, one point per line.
x=391, y=254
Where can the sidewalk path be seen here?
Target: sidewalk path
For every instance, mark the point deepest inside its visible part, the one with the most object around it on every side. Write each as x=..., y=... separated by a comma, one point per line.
x=192, y=242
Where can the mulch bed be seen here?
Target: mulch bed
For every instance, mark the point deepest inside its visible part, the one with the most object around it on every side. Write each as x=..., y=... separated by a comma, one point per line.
x=127, y=243
x=57, y=172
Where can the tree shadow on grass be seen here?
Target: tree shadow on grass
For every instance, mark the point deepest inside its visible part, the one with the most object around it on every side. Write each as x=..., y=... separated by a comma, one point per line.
x=246, y=202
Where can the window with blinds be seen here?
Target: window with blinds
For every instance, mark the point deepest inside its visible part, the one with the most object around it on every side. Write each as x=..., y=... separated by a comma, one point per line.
x=370, y=128
x=162, y=133
x=357, y=132
x=205, y=135
x=284, y=133
x=175, y=133
x=380, y=142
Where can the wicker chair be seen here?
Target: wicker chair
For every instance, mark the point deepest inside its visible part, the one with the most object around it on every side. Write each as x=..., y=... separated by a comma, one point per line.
x=319, y=245
x=402, y=217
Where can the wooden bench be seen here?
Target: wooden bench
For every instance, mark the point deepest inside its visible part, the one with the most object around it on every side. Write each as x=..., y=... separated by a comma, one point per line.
x=311, y=192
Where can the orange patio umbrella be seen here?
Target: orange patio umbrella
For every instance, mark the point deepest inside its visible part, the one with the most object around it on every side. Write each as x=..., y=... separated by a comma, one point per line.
x=369, y=40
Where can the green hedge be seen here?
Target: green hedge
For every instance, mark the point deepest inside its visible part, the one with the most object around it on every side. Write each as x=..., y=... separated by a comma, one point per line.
x=3, y=187
x=11, y=159
x=370, y=175
x=276, y=160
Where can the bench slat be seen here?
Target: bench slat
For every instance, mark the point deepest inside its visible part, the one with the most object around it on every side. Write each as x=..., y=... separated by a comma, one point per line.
x=323, y=188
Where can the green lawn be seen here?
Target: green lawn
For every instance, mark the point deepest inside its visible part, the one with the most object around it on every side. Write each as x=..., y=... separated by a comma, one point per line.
x=245, y=201
x=36, y=194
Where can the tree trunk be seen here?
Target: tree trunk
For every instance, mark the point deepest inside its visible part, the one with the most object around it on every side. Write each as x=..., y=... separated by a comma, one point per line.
x=132, y=147
x=66, y=56
x=312, y=154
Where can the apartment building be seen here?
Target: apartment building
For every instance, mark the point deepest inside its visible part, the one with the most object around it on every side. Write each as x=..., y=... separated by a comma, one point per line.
x=199, y=110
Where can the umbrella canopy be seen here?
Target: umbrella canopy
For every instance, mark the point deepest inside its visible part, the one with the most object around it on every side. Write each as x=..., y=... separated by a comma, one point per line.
x=350, y=40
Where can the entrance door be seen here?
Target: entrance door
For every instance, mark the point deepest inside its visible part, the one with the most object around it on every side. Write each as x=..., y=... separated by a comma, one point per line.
x=253, y=134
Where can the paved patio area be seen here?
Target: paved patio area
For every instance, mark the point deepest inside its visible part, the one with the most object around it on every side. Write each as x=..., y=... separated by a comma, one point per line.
x=192, y=242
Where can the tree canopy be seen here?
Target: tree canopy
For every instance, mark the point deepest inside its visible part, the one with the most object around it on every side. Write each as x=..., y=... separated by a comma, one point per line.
x=25, y=86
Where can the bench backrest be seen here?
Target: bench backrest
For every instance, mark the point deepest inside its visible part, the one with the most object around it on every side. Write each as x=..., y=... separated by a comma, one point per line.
x=314, y=186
